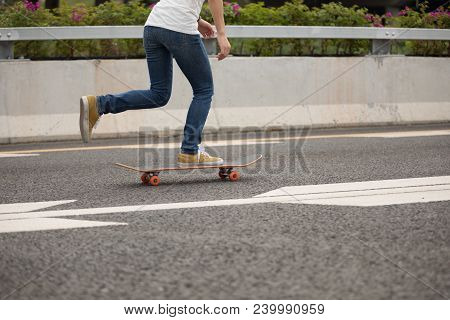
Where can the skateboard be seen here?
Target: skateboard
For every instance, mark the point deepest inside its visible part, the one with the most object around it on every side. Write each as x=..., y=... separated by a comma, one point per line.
x=226, y=169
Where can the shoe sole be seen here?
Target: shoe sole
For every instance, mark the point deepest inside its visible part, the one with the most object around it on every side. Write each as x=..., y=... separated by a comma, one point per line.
x=199, y=164
x=84, y=119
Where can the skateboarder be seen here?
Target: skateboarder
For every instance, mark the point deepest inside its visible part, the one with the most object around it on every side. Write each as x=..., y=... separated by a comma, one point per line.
x=172, y=30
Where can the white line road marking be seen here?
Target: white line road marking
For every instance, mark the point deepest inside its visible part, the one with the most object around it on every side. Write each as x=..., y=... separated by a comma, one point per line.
x=409, y=134
x=364, y=194
x=39, y=224
x=391, y=134
x=170, y=145
x=30, y=206
x=17, y=155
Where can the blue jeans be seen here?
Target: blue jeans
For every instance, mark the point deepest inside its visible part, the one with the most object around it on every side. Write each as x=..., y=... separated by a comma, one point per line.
x=161, y=46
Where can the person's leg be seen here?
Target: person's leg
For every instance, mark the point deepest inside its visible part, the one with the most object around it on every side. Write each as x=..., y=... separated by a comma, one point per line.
x=192, y=58
x=159, y=61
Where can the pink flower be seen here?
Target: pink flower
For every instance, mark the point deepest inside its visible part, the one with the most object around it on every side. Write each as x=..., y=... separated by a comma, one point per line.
x=78, y=13
x=76, y=16
x=438, y=13
x=31, y=6
x=152, y=5
x=369, y=17
x=236, y=7
x=388, y=14
x=402, y=13
x=378, y=25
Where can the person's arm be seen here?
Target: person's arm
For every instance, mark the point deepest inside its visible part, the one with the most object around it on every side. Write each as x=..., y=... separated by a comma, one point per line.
x=216, y=7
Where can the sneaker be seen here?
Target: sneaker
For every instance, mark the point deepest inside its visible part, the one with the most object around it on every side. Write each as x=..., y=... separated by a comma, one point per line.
x=201, y=158
x=88, y=116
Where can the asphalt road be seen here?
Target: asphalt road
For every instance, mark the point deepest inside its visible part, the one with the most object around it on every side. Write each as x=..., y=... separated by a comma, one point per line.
x=245, y=251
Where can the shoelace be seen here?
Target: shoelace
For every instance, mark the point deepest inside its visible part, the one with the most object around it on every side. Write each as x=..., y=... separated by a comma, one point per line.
x=204, y=153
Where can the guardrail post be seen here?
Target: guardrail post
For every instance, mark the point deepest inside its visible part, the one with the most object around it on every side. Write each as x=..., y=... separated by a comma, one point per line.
x=6, y=47
x=211, y=46
x=6, y=50
x=381, y=46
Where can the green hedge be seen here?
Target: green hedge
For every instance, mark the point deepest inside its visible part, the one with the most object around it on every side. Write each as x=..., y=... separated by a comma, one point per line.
x=25, y=14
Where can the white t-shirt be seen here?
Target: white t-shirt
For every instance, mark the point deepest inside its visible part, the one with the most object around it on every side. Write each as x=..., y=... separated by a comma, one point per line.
x=176, y=15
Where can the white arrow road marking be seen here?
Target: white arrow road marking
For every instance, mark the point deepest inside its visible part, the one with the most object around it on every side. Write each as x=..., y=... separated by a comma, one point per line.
x=378, y=197
x=385, y=199
x=359, y=186
x=141, y=208
x=369, y=193
x=30, y=206
x=17, y=217
x=35, y=223
x=16, y=155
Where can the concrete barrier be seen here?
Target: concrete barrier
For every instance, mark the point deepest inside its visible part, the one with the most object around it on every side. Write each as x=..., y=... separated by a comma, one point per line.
x=39, y=100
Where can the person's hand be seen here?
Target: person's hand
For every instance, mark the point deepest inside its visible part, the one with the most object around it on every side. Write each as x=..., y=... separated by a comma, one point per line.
x=224, y=46
x=205, y=28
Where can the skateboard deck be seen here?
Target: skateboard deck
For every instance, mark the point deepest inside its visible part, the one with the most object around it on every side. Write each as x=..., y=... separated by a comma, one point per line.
x=151, y=175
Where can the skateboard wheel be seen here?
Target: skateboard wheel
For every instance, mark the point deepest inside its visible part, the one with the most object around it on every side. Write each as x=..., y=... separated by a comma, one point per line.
x=144, y=178
x=234, y=176
x=154, y=181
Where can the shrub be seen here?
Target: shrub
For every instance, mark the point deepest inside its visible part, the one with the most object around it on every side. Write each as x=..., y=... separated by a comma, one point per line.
x=25, y=14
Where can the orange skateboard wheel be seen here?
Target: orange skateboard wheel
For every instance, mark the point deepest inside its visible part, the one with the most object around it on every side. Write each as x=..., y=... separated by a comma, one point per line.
x=234, y=176
x=155, y=180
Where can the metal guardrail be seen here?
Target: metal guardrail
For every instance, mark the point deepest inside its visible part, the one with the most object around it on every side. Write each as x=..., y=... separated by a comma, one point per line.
x=381, y=37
